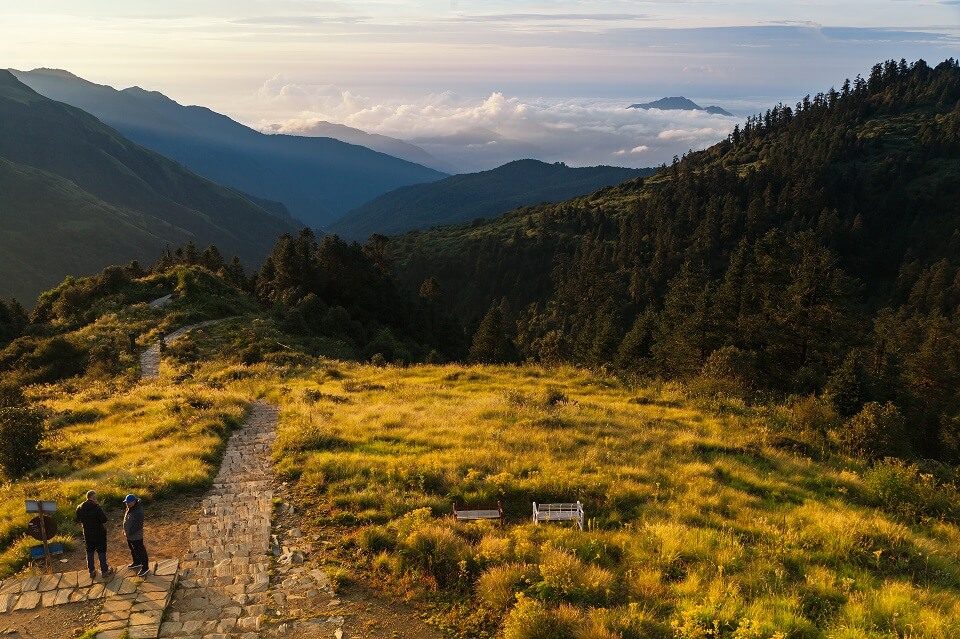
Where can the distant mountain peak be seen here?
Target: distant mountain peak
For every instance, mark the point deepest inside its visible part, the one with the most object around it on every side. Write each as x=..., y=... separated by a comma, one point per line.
x=63, y=73
x=679, y=103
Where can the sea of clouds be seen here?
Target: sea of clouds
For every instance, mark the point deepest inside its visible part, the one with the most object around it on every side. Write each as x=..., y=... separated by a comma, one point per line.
x=474, y=134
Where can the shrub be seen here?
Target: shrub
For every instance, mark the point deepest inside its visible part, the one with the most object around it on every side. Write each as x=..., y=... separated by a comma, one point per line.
x=813, y=415
x=902, y=489
x=375, y=539
x=497, y=588
x=567, y=578
x=21, y=431
x=104, y=360
x=554, y=397
x=530, y=619
x=877, y=430
x=439, y=552
x=728, y=371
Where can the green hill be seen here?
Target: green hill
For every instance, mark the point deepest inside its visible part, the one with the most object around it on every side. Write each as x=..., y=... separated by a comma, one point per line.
x=78, y=196
x=462, y=198
x=815, y=250
x=705, y=516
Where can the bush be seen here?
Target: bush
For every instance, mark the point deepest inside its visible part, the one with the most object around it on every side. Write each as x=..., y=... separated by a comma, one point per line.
x=21, y=432
x=530, y=619
x=566, y=578
x=439, y=552
x=104, y=360
x=813, y=416
x=902, y=489
x=728, y=371
x=876, y=431
x=497, y=588
x=376, y=539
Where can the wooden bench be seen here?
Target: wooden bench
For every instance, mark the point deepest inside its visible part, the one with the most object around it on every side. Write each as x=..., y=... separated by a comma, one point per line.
x=473, y=512
x=558, y=512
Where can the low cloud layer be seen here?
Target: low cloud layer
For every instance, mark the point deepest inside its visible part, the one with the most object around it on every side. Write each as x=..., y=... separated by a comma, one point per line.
x=478, y=134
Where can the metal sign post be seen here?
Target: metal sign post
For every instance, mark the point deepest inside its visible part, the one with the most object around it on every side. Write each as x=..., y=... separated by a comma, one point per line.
x=47, y=526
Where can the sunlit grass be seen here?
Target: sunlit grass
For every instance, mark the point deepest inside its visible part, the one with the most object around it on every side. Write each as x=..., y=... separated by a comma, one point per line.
x=698, y=527
x=698, y=524
x=154, y=438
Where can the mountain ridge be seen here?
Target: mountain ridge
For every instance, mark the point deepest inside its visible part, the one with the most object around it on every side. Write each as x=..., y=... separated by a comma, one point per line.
x=679, y=103
x=318, y=179
x=97, y=198
x=470, y=196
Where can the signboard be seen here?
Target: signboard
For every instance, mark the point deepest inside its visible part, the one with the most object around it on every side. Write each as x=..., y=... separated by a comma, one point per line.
x=42, y=531
x=33, y=506
x=41, y=527
x=36, y=552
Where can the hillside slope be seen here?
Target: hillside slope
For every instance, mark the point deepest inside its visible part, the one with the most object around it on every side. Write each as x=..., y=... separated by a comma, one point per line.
x=815, y=249
x=705, y=517
x=318, y=179
x=382, y=143
x=116, y=201
x=52, y=228
x=462, y=198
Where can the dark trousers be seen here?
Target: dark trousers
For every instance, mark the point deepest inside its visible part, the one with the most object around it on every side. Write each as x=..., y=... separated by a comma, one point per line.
x=100, y=548
x=139, y=552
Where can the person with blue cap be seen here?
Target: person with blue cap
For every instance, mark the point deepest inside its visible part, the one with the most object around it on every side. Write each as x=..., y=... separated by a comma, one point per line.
x=133, y=531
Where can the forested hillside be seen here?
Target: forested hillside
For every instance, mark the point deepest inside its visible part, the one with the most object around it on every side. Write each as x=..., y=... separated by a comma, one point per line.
x=815, y=250
x=462, y=198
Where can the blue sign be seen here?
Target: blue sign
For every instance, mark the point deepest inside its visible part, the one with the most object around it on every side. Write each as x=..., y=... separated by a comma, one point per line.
x=36, y=552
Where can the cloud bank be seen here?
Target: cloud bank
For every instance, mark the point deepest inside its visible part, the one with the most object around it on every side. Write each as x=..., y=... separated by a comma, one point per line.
x=477, y=134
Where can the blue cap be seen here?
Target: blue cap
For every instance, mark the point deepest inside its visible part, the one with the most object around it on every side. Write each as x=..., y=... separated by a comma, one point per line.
x=129, y=499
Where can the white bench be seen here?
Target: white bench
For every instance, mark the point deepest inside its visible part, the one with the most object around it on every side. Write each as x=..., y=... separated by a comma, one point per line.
x=473, y=512
x=558, y=512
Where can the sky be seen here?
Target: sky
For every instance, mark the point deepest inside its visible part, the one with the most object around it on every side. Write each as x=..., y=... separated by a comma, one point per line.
x=477, y=82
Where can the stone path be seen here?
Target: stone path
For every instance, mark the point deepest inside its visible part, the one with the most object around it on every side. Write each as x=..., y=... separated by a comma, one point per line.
x=161, y=301
x=225, y=577
x=133, y=605
x=150, y=358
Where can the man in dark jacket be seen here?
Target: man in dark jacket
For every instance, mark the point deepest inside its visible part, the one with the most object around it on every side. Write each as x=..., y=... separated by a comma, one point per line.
x=92, y=519
x=133, y=531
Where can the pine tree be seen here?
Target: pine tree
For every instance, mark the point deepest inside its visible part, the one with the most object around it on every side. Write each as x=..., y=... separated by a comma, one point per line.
x=490, y=344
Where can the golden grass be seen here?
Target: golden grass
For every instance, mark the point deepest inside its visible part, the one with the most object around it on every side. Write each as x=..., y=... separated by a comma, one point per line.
x=693, y=517
x=153, y=438
x=698, y=526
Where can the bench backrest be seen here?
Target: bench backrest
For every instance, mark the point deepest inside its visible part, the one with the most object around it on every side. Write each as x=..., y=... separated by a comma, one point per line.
x=558, y=512
x=478, y=511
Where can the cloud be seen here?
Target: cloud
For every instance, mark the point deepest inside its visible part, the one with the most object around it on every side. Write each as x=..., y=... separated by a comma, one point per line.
x=555, y=17
x=301, y=21
x=477, y=134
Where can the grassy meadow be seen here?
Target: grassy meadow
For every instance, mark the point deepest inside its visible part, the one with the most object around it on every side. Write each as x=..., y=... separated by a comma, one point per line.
x=700, y=524
x=706, y=518
x=154, y=438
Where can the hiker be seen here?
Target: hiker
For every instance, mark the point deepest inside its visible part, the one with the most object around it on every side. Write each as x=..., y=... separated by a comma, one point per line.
x=92, y=520
x=133, y=531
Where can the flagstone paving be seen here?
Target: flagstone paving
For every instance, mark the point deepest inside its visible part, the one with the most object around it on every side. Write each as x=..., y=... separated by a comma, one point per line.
x=133, y=604
x=150, y=358
x=222, y=591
